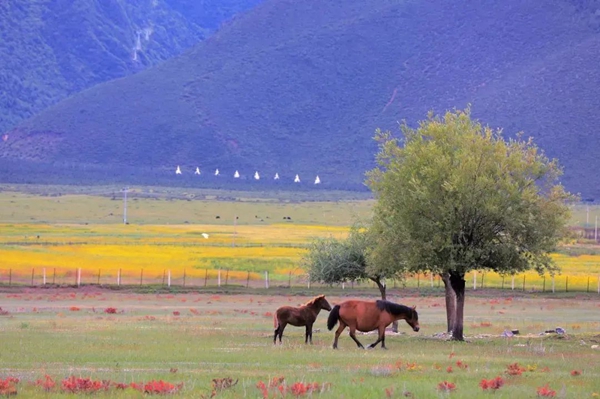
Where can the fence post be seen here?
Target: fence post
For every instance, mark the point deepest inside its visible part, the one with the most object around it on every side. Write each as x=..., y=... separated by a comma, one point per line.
x=44, y=276
x=54, y=277
x=10, y=280
x=502, y=282
x=169, y=278
x=431, y=278
x=588, y=287
x=523, y=282
x=418, y=280
x=482, y=278
x=219, y=278
x=552, y=284
x=474, y=280
x=308, y=282
x=266, y=279
x=141, y=276
x=32, y=271
x=247, y=279
x=226, y=276
x=567, y=284
x=164, y=275
x=343, y=285
x=205, y=277
x=79, y=277
x=512, y=284
x=184, y=277
x=99, y=276
x=119, y=277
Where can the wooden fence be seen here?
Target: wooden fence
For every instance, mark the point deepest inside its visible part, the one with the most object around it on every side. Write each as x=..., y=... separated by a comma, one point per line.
x=222, y=278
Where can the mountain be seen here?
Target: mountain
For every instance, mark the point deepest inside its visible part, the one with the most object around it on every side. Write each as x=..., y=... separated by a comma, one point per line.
x=51, y=49
x=300, y=86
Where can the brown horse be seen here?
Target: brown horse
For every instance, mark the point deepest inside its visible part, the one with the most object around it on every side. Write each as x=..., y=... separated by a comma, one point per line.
x=304, y=315
x=368, y=316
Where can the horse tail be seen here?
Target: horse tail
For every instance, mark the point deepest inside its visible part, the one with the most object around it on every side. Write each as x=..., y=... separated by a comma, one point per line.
x=275, y=320
x=333, y=318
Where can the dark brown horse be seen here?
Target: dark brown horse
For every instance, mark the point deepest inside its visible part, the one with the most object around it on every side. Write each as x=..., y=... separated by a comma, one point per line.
x=304, y=315
x=368, y=316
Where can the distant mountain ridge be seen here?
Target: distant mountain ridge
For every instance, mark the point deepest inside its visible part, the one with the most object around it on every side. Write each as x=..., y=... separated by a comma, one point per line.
x=52, y=49
x=300, y=86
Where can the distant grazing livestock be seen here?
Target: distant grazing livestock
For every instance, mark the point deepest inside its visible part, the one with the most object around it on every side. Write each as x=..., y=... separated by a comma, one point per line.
x=304, y=315
x=368, y=316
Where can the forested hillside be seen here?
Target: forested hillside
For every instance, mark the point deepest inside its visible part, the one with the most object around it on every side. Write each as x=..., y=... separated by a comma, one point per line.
x=300, y=86
x=52, y=49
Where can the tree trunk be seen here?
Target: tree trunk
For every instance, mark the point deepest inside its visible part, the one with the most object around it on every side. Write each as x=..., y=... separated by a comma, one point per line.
x=450, y=301
x=382, y=290
x=457, y=283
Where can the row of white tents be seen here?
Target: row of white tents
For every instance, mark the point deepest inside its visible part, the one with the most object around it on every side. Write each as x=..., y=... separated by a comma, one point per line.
x=236, y=175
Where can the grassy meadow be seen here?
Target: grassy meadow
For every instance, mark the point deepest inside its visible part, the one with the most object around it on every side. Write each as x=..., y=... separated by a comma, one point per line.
x=197, y=338
x=58, y=340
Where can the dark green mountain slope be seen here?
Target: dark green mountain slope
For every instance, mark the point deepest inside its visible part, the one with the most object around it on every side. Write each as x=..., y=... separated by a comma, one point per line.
x=300, y=86
x=50, y=49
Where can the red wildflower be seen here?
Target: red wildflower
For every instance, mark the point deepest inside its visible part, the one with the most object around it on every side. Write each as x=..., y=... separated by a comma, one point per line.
x=514, y=369
x=461, y=365
x=446, y=386
x=47, y=383
x=575, y=373
x=8, y=386
x=546, y=392
x=493, y=384
x=110, y=310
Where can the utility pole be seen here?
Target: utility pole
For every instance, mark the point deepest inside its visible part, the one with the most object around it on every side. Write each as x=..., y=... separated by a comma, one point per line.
x=125, y=204
x=587, y=215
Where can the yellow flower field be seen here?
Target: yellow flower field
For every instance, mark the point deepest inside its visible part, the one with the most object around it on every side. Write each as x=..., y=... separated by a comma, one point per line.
x=149, y=252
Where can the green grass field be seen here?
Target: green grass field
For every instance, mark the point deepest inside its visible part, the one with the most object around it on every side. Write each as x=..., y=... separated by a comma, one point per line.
x=195, y=338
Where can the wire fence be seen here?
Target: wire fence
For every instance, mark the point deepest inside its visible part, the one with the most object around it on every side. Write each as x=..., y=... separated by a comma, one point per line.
x=475, y=280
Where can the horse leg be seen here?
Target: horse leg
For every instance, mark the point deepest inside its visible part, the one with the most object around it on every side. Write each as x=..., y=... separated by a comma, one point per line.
x=280, y=328
x=380, y=338
x=337, y=334
x=353, y=336
x=308, y=334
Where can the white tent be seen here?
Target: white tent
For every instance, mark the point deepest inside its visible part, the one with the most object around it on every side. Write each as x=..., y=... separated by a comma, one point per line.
x=217, y=172
x=178, y=171
x=297, y=179
x=197, y=172
x=256, y=175
x=204, y=235
x=276, y=176
x=317, y=180
x=236, y=174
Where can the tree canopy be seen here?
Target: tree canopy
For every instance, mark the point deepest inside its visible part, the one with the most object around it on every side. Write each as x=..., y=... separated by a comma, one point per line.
x=334, y=261
x=455, y=196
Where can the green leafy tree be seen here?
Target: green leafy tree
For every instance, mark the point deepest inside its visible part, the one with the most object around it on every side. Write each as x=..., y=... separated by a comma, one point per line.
x=334, y=261
x=455, y=196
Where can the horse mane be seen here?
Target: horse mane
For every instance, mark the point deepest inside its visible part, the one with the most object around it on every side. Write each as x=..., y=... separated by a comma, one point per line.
x=394, y=308
x=314, y=300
